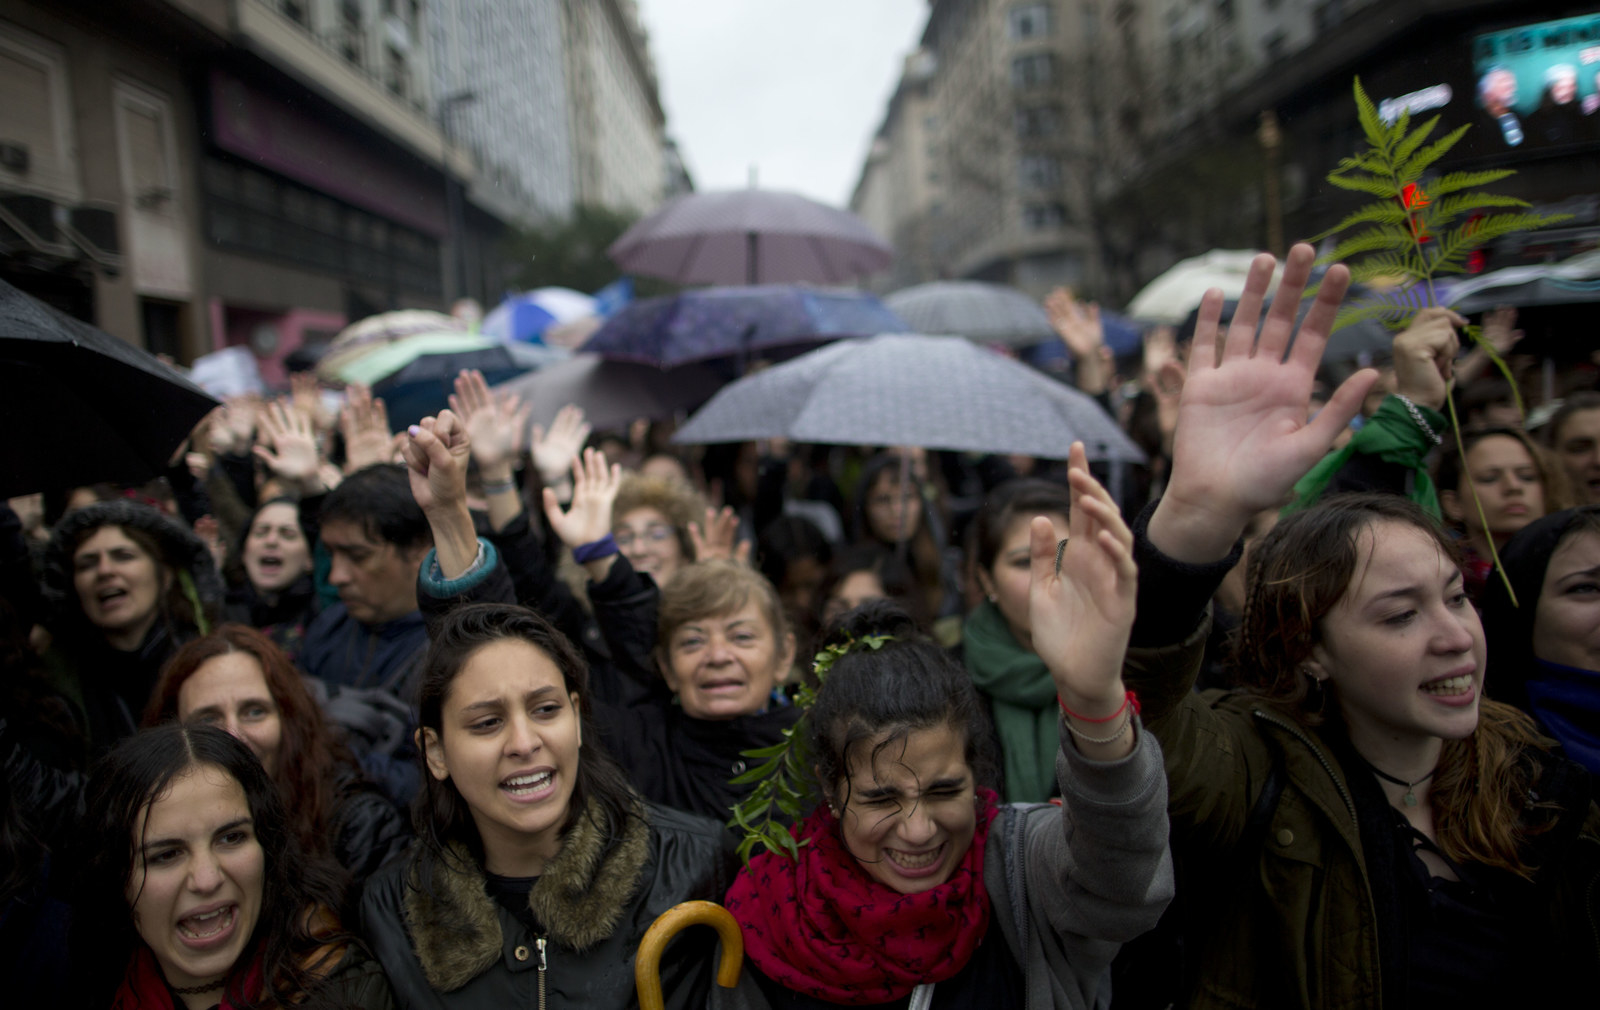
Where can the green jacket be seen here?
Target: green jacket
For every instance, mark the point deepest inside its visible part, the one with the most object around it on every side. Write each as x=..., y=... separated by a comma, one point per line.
x=1287, y=919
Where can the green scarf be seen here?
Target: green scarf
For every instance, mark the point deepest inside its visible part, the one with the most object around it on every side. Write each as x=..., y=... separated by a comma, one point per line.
x=1392, y=435
x=1022, y=696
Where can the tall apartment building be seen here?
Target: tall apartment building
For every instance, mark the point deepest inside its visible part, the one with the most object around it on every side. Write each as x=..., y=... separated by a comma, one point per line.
x=557, y=100
x=1096, y=142
x=190, y=174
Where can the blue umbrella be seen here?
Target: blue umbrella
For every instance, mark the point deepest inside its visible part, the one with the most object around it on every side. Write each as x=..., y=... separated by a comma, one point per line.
x=526, y=316
x=733, y=322
x=1122, y=335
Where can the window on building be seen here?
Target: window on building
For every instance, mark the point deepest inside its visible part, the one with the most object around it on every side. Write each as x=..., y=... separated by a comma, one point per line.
x=1275, y=45
x=36, y=116
x=1039, y=171
x=1225, y=11
x=295, y=10
x=351, y=38
x=1030, y=21
x=1033, y=71
x=398, y=76
x=1034, y=121
x=1044, y=216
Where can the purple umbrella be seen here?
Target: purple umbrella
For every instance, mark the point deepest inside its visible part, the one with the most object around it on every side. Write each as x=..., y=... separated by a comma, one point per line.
x=735, y=322
x=750, y=236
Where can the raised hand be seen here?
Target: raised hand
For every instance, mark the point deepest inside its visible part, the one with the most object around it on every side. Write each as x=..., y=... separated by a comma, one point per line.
x=554, y=451
x=594, y=490
x=233, y=429
x=1424, y=356
x=497, y=426
x=1077, y=323
x=437, y=454
x=718, y=538
x=289, y=446
x=1499, y=329
x=307, y=397
x=1081, y=610
x=1242, y=438
x=364, y=423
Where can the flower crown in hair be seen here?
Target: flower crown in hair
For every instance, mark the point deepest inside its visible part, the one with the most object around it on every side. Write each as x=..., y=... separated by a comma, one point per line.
x=781, y=778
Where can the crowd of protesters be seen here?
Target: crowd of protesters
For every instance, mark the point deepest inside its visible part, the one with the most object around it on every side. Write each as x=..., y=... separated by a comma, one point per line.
x=332, y=716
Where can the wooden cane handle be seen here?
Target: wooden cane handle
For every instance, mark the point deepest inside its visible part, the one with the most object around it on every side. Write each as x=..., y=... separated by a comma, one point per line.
x=647, y=964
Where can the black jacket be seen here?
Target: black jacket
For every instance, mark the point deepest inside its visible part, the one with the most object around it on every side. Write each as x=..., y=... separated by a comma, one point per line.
x=444, y=942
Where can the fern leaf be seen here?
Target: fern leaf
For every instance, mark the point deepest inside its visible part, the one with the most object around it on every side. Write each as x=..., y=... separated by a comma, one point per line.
x=1379, y=213
x=1412, y=169
x=1365, y=184
x=1408, y=146
x=1457, y=181
x=1455, y=245
x=1381, y=238
x=1386, y=267
x=1395, y=316
x=1371, y=124
x=1447, y=210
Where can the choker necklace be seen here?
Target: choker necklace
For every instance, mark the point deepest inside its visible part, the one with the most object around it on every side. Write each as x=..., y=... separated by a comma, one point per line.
x=1410, y=798
x=200, y=990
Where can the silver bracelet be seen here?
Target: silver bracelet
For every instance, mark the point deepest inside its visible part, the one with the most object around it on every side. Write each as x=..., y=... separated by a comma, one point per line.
x=1127, y=720
x=1416, y=415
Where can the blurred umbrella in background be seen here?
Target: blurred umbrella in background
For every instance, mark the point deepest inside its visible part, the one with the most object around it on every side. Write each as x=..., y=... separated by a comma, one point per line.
x=360, y=337
x=527, y=316
x=751, y=236
x=987, y=313
x=613, y=394
x=736, y=323
x=1173, y=295
x=89, y=407
x=902, y=389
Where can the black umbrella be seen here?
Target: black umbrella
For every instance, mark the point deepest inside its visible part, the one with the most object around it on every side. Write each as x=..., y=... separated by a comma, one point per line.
x=91, y=407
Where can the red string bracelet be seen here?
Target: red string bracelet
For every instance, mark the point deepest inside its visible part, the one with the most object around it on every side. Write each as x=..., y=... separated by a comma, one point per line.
x=1128, y=699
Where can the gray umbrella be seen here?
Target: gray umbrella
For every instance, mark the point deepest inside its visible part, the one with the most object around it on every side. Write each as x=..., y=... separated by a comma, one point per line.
x=935, y=392
x=612, y=393
x=988, y=313
x=751, y=236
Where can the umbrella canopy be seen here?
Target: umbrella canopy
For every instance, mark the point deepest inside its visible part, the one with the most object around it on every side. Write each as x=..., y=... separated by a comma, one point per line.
x=527, y=316
x=935, y=392
x=1575, y=280
x=730, y=322
x=750, y=236
x=422, y=386
x=613, y=394
x=113, y=412
x=1172, y=296
x=360, y=337
x=987, y=313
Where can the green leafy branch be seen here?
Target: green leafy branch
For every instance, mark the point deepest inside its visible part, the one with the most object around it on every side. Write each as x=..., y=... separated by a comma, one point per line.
x=781, y=794
x=1397, y=246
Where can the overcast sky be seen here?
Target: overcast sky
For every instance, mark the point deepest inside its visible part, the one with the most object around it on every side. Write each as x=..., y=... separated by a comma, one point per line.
x=795, y=87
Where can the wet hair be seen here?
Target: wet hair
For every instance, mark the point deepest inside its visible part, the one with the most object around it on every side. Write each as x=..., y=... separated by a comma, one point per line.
x=713, y=589
x=378, y=500
x=1024, y=497
x=137, y=773
x=673, y=499
x=1297, y=574
x=600, y=789
x=1576, y=403
x=924, y=554
x=879, y=697
x=1450, y=469
x=306, y=757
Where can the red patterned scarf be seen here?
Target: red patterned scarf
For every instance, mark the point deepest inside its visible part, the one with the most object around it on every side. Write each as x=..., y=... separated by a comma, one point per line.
x=823, y=927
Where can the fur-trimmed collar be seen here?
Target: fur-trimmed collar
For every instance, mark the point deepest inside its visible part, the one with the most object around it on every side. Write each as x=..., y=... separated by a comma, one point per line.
x=579, y=899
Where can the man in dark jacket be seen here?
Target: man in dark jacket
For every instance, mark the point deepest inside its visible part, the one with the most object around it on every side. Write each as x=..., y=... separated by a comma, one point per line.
x=367, y=648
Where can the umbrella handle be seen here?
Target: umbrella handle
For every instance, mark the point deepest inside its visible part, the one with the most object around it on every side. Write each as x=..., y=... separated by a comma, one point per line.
x=647, y=963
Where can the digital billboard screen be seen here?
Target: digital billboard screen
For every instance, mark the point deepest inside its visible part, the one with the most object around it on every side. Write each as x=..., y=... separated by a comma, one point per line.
x=1538, y=85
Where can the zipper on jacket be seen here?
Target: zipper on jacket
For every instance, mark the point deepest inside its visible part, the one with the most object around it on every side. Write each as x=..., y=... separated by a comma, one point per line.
x=543, y=966
x=1349, y=803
